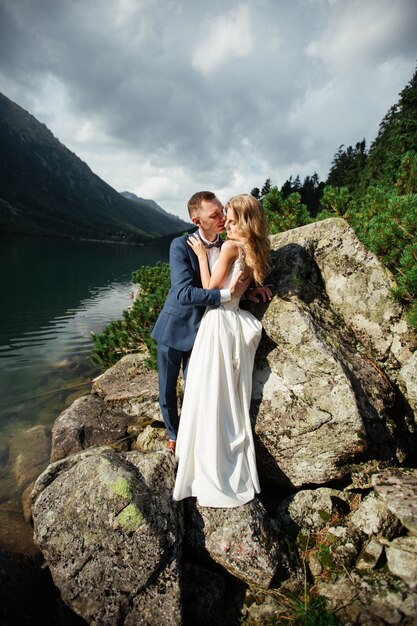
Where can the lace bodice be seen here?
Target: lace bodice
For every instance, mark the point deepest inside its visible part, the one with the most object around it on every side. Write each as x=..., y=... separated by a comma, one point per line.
x=236, y=267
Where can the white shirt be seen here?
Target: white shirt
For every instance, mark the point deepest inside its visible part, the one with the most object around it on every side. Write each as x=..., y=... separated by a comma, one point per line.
x=212, y=256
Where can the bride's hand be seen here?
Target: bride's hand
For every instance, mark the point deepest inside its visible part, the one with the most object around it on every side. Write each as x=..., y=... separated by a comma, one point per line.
x=197, y=245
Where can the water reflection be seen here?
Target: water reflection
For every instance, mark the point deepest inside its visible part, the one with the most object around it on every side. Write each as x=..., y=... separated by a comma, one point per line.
x=56, y=292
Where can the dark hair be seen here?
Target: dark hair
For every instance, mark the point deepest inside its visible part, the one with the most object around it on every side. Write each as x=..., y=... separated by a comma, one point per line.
x=194, y=203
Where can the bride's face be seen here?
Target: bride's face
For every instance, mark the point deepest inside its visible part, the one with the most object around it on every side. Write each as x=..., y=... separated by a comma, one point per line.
x=231, y=225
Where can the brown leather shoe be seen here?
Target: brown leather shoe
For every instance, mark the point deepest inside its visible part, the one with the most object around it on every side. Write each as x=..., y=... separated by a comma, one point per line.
x=171, y=446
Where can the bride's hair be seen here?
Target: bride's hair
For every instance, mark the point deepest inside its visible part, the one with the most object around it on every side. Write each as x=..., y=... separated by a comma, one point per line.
x=254, y=234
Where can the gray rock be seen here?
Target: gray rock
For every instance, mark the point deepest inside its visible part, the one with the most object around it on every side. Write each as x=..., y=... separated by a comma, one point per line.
x=315, y=565
x=357, y=285
x=110, y=536
x=241, y=539
x=370, y=598
x=345, y=544
x=16, y=535
x=386, y=596
x=131, y=387
x=361, y=474
x=123, y=397
x=370, y=554
x=321, y=398
x=402, y=559
x=398, y=489
x=373, y=517
x=307, y=418
x=408, y=379
x=334, y=381
x=150, y=438
x=86, y=423
x=312, y=508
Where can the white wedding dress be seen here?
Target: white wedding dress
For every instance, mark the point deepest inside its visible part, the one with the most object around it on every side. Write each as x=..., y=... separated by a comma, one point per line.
x=215, y=449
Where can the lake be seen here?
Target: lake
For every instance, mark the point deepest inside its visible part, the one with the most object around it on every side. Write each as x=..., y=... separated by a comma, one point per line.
x=55, y=293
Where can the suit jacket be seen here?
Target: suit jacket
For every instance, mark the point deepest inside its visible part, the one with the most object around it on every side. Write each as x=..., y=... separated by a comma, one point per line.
x=178, y=322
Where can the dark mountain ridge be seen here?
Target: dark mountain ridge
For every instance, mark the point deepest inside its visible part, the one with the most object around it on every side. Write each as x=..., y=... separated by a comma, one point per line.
x=45, y=189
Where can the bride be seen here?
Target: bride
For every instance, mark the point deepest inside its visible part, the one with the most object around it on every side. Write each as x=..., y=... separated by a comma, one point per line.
x=215, y=448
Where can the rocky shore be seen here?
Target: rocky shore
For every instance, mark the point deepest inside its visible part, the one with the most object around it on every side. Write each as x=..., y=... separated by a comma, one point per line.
x=334, y=417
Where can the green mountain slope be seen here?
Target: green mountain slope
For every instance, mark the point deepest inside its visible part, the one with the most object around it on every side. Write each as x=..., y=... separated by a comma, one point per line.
x=45, y=189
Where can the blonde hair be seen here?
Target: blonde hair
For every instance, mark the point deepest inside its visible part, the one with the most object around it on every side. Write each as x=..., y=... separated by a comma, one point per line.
x=254, y=234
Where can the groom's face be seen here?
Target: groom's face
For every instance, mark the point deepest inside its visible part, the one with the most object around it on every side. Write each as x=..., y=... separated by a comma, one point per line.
x=210, y=218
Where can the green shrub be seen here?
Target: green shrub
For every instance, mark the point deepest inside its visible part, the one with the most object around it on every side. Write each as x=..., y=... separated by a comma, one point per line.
x=133, y=332
x=284, y=214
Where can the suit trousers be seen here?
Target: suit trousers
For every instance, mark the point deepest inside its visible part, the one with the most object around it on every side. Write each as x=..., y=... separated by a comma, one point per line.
x=170, y=362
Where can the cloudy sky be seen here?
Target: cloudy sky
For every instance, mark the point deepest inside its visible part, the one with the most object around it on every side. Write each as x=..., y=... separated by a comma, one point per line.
x=167, y=97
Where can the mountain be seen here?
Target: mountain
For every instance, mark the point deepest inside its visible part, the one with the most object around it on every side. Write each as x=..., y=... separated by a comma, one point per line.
x=153, y=205
x=45, y=189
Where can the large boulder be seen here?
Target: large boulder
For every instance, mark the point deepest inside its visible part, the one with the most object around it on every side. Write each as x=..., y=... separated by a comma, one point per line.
x=325, y=391
x=242, y=540
x=109, y=531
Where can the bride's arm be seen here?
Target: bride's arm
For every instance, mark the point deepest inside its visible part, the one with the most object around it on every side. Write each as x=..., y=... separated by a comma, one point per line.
x=197, y=245
x=228, y=254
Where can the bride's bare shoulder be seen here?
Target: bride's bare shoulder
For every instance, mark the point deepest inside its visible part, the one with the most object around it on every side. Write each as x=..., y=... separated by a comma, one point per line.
x=231, y=247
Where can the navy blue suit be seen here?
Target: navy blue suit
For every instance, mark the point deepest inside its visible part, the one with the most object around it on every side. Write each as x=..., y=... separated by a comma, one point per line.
x=177, y=325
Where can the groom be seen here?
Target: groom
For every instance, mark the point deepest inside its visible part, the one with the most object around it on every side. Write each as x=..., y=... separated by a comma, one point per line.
x=177, y=325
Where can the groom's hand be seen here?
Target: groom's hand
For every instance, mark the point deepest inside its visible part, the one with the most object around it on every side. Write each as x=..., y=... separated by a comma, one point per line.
x=239, y=285
x=259, y=293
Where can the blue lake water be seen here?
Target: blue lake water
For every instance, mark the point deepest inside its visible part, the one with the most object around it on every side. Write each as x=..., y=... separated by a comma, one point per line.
x=54, y=294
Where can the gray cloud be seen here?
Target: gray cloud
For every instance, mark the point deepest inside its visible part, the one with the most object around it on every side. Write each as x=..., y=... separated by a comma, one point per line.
x=166, y=97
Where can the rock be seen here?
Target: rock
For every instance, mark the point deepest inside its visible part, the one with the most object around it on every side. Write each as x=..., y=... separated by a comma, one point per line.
x=402, y=559
x=312, y=508
x=151, y=439
x=261, y=608
x=307, y=421
x=87, y=422
x=241, y=539
x=109, y=531
x=341, y=597
x=408, y=378
x=344, y=543
x=333, y=393
x=29, y=454
x=315, y=565
x=398, y=489
x=357, y=285
x=324, y=392
x=8, y=488
x=370, y=554
x=373, y=517
x=126, y=395
x=131, y=387
x=386, y=597
x=361, y=474
x=372, y=598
